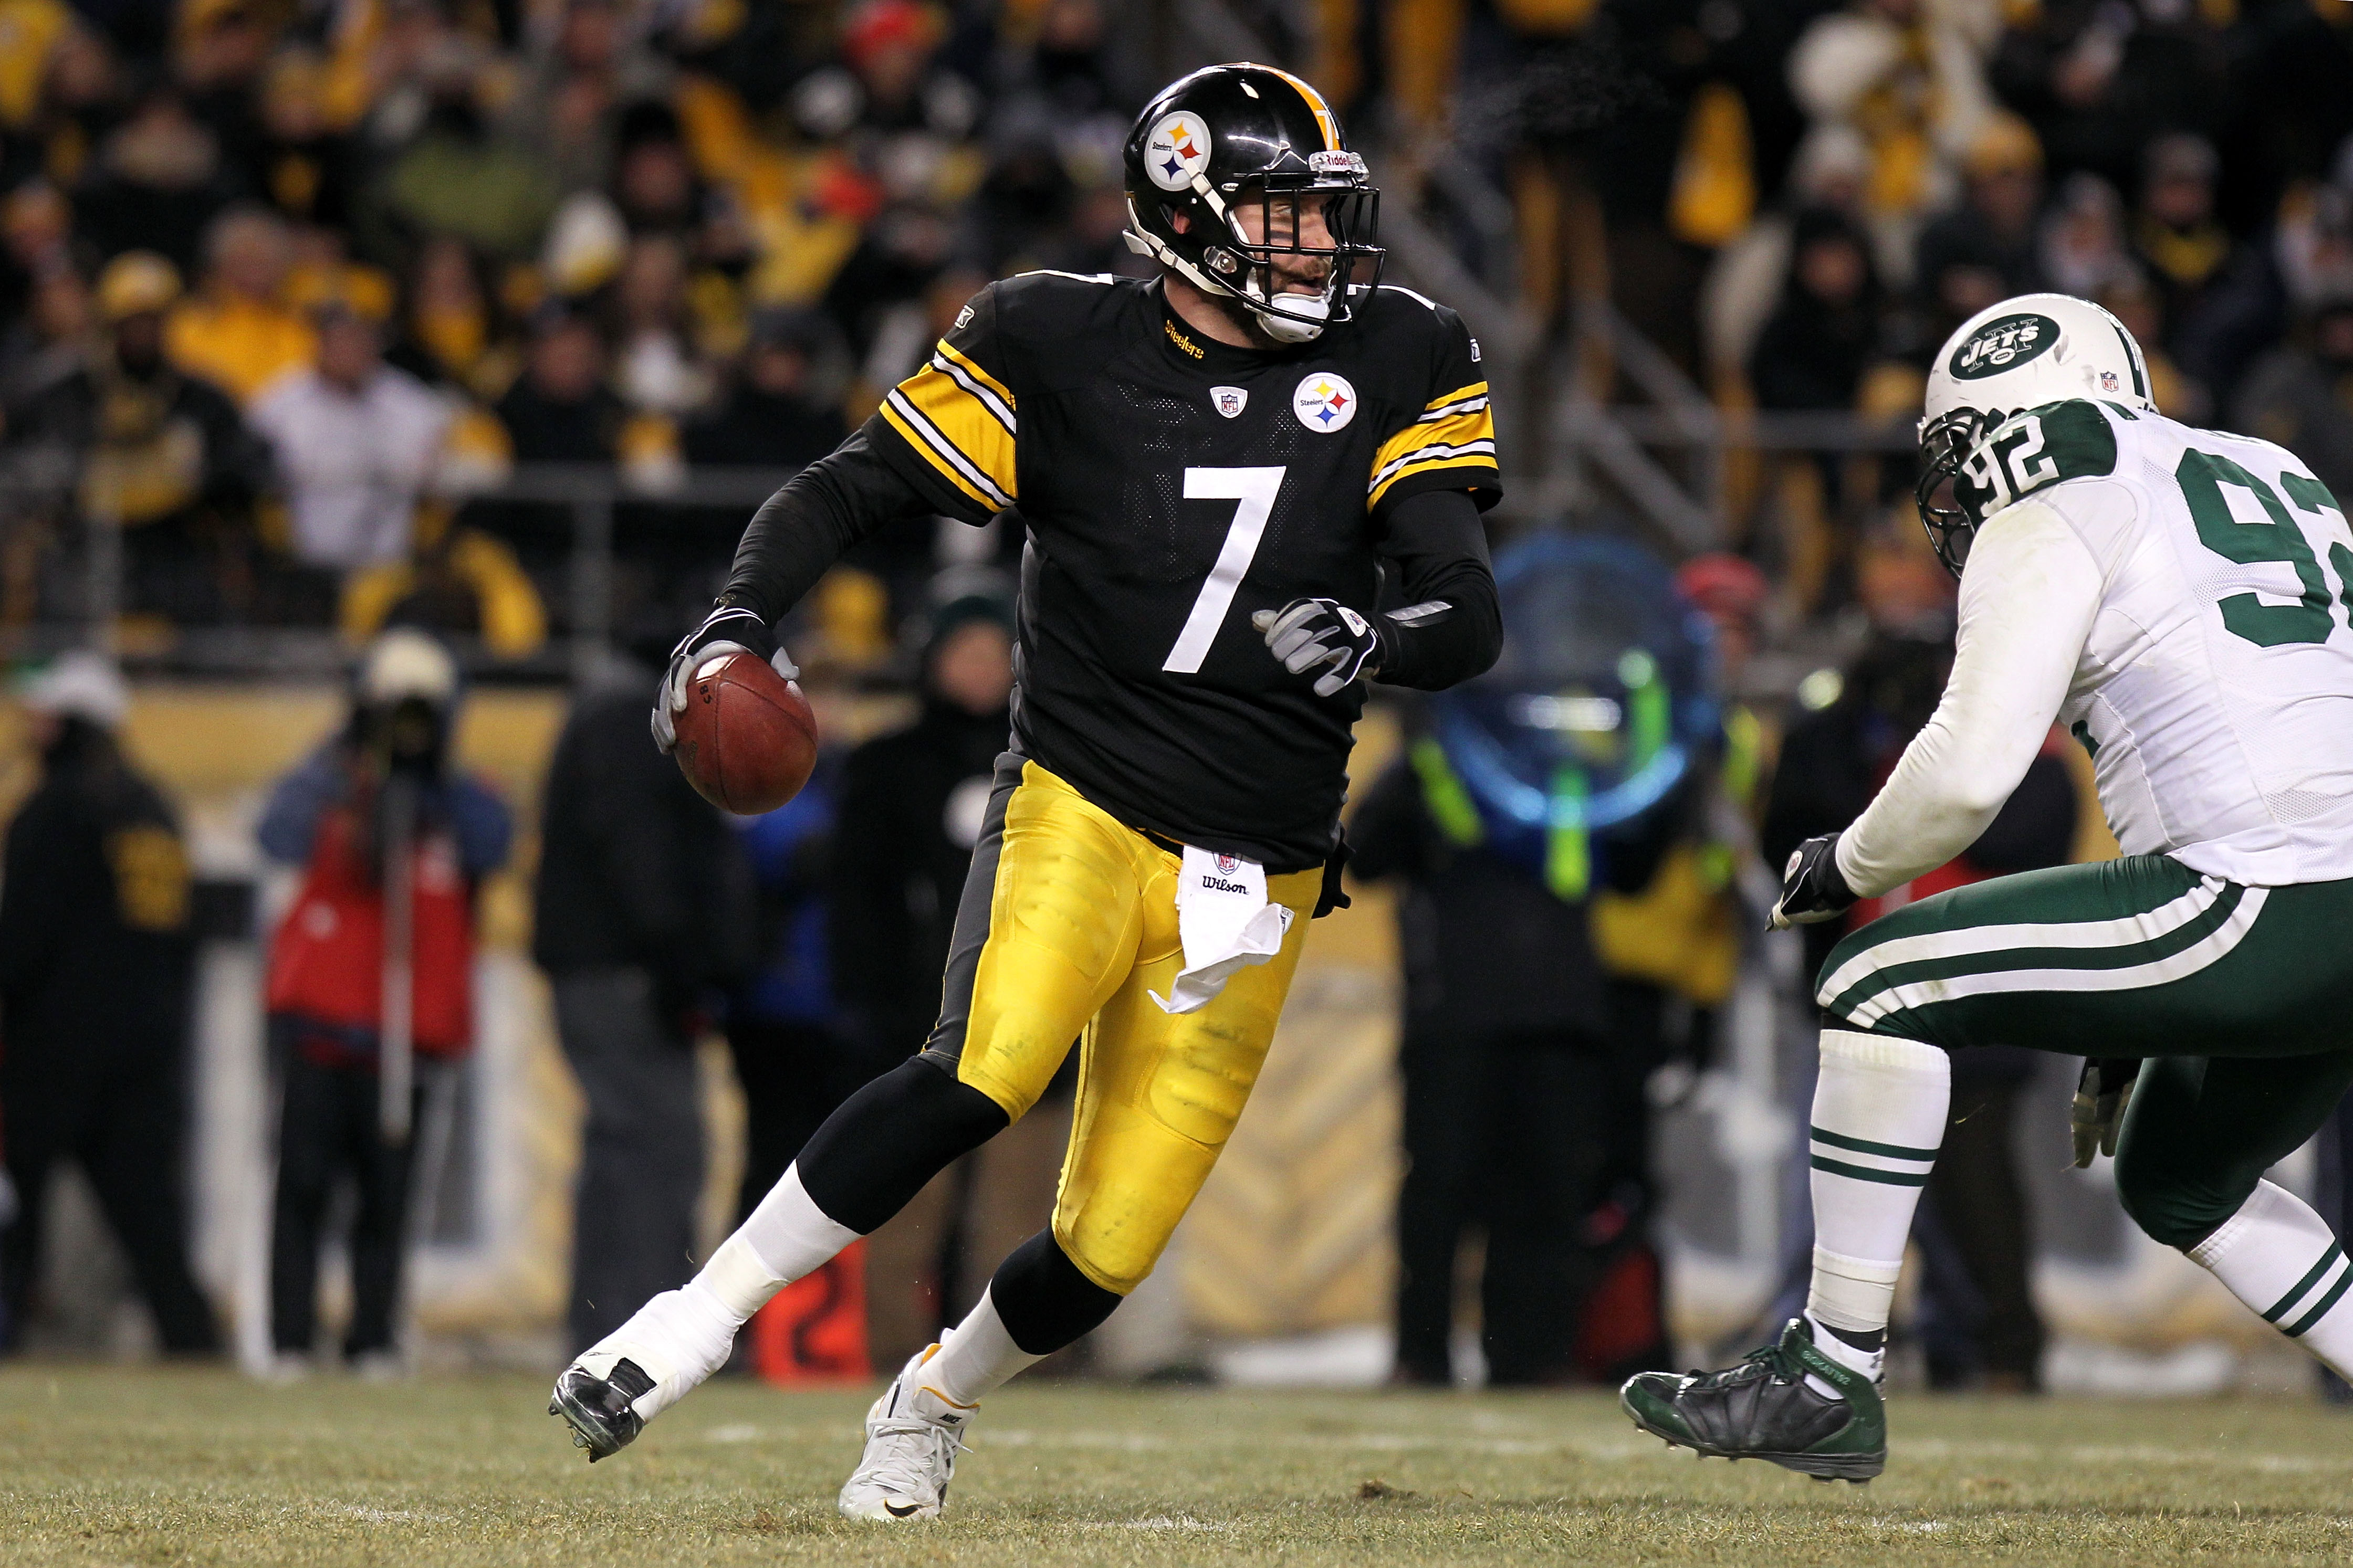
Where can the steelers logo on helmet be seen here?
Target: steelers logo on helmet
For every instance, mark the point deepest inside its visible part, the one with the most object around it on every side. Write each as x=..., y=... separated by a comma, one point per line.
x=1176, y=149
x=2003, y=344
x=1324, y=402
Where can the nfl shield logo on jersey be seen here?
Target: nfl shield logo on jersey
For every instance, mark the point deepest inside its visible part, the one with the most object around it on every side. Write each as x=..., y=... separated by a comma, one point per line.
x=1226, y=864
x=1229, y=401
x=1324, y=402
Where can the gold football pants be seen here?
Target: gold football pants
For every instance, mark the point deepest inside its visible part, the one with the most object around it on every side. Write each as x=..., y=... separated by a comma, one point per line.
x=1068, y=920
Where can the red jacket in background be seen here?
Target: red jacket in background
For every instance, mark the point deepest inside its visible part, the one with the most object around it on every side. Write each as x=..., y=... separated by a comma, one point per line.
x=326, y=961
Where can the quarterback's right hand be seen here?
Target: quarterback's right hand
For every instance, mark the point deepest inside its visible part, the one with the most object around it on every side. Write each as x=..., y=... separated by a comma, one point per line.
x=727, y=629
x=1811, y=888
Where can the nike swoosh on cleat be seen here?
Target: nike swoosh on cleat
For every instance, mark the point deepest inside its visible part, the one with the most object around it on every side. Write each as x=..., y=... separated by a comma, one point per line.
x=896, y=1512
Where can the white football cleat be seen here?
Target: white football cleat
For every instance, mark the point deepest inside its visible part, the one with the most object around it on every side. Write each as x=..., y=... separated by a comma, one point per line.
x=642, y=1368
x=912, y=1434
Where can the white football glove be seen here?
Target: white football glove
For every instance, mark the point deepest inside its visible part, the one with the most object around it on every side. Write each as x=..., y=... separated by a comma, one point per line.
x=727, y=629
x=1310, y=633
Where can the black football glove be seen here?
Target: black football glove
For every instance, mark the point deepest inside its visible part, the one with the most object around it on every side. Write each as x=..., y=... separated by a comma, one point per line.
x=1313, y=634
x=1811, y=888
x=727, y=629
x=2100, y=1095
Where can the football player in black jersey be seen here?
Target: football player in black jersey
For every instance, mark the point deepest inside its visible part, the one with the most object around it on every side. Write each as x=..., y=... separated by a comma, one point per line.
x=1248, y=486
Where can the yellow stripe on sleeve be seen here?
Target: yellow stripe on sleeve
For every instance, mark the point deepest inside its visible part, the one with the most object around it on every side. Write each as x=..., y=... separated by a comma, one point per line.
x=1453, y=440
x=1477, y=389
x=961, y=419
x=994, y=388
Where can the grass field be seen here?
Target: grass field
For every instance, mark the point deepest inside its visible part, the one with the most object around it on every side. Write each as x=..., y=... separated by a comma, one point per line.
x=166, y=1467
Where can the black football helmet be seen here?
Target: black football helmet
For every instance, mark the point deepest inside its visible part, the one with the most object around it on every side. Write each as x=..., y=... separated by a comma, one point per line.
x=1214, y=143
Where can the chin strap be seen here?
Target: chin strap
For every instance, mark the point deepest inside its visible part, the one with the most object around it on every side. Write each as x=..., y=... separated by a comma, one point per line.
x=1280, y=325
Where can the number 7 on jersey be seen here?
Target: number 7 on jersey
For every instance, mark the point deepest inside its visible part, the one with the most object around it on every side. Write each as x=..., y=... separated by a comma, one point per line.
x=1255, y=490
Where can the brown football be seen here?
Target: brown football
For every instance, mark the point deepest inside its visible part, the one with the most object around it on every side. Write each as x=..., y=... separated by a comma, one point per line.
x=746, y=740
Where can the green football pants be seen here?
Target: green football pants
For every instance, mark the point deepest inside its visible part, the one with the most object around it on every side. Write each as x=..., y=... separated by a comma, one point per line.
x=2246, y=993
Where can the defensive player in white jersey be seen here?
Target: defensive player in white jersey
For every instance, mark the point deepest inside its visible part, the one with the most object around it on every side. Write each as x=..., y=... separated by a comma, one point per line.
x=2182, y=601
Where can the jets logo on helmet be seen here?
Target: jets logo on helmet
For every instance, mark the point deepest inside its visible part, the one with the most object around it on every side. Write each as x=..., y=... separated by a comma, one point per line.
x=2022, y=353
x=1177, y=150
x=1999, y=345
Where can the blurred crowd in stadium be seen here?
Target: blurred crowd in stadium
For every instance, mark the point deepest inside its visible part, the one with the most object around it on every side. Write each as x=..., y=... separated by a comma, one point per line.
x=300, y=299
x=285, y=284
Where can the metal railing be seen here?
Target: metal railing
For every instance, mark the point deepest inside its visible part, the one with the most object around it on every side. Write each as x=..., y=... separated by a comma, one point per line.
x=594, y=492
x=82, y=594
x=1665, y=461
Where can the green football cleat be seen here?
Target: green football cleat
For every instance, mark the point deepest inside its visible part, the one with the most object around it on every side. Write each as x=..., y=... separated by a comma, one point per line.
x=1764, y=1408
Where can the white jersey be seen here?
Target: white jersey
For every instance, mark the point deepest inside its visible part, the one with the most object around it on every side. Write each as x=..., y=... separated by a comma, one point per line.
x=2215, y=690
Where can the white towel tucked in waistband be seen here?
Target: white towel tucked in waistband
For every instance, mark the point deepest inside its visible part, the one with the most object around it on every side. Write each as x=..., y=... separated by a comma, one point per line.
x=1225, y=923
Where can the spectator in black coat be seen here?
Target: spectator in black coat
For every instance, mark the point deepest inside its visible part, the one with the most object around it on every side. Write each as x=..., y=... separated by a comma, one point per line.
x=2301, y=395
x=1513, y=1067
x=771, y=417
x=644, y=905
x=911, y=804
x=1982, y=252
x=1813, y=351
x=165, y=452
x=94, y=1001
x=560, y=410
x=157, y=180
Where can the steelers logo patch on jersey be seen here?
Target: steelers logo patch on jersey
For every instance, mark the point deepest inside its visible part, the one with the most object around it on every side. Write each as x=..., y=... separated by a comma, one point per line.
x=1324, y=402
x=1177, y=148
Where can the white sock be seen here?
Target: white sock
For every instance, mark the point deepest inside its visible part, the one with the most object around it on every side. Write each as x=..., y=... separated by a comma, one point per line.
x=977, y=1358
x=678, y=1339
x=1879, y=1119
x=2281, y=1259
x=682, y=1336
x=785, y=1239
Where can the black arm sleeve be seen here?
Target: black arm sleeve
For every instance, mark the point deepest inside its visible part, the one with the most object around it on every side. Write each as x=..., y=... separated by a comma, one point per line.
x=803, y=529
x=1447, y=626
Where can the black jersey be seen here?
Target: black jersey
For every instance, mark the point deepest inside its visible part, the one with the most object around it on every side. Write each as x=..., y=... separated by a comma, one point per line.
x=1172, y=486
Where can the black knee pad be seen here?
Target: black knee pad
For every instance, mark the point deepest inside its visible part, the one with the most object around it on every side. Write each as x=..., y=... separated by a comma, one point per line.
x=886, y=1140
x=1043, y=1300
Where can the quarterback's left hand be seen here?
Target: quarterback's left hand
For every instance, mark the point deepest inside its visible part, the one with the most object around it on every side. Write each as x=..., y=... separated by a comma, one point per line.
x=1811, y=888
x=1308, y=634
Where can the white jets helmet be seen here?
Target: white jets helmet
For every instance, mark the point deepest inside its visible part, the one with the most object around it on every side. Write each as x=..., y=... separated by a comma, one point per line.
x=2020, y=354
